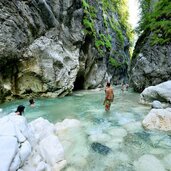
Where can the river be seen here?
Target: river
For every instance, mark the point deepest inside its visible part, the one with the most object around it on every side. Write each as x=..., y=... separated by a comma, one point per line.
x=107, y=141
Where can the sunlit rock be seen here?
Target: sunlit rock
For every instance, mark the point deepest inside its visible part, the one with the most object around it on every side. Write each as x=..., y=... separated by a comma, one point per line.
x=148, y=163
x=29, y=147
x=42, y=128
x=51, y=149
x=8, y=150
x=14, y=128
x=159, y=92
x=158, y=119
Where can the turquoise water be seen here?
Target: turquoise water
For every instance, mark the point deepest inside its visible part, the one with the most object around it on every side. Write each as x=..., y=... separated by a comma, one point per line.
x=107, y=141
x=81, y=105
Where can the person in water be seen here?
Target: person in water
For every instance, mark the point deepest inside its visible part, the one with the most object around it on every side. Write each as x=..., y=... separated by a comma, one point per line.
x=32, y=102
x=20, y=110
x=109, y=96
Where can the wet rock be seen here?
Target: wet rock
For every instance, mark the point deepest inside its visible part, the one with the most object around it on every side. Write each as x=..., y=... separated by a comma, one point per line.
x=101, y=149
x=117, y=132
x=133, y=127
x=101, y=138
x=159, y=119
x=159, y=92
x=166, y=161
x=148, y=163
x=135, y=144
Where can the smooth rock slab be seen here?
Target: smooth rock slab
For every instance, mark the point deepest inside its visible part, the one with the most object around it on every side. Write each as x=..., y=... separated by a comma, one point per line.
x=51, y=150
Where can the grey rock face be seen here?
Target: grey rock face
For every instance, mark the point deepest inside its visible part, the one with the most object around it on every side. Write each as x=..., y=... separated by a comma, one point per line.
x=45, y=52
x=151, y=65
x=39, y=54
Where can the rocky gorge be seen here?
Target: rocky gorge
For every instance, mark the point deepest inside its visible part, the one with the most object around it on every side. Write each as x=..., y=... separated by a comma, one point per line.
x=49, y=48
x=151, y=60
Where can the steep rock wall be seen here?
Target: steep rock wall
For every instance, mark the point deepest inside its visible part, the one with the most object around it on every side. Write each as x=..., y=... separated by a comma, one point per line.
x=44, y=50
x=151, y=60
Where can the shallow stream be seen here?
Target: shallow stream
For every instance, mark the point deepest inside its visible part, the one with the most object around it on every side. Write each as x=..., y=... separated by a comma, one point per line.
x=107, y=141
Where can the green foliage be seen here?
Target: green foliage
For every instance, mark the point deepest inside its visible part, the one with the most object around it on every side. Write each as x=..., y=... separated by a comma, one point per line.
x=114, y=62
x=85, y=4
x=88, y=24
x=157, y=20
x=115, y=26
x=108, y=7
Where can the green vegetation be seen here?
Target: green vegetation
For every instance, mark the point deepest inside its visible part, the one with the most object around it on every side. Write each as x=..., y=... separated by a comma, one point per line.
x=114, y=62
x=120, y=26
x=156, y=19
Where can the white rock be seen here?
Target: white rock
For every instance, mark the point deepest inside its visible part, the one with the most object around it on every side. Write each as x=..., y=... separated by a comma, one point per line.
x=51, y=150
x=42, y=128
x=25, y=151
x=7, y=127
x=148, y=163
x=60, y=165
x=16, y=163
x=158, y=119
x=36, y=159
x=42, y=166
x=8, y=150
x=67, y=123
x=160, y=91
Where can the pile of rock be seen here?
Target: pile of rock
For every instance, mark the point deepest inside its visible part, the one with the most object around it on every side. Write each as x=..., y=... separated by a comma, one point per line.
x=33, y=146
x=158, y=118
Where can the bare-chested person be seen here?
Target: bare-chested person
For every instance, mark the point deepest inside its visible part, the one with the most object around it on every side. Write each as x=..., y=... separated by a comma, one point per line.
x=109, y=96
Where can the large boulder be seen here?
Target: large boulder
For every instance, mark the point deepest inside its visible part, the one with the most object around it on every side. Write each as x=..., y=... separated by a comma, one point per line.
x=159, y=119
x=14, y=142
x=159, y=92
x=28, y=146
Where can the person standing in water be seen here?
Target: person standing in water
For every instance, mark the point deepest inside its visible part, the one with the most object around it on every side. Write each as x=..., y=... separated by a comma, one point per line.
x=109, y=96
x=20, y=110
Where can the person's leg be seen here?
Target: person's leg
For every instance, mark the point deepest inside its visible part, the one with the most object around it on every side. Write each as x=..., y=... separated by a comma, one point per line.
x=107, y=105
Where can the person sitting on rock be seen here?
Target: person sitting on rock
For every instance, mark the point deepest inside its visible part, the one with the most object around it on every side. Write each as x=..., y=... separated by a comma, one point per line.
x=20, y=110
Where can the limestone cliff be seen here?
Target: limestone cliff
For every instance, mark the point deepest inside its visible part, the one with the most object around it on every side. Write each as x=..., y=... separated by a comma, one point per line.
x=151, y=61
x=47, y=49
